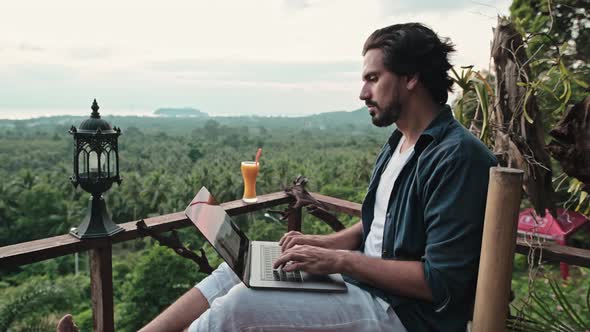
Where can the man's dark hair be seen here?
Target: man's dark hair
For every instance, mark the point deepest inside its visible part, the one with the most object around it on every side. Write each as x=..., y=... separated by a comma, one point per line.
x=413, y=48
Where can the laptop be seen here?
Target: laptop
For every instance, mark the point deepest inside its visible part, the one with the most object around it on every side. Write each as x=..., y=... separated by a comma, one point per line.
x=251, y=260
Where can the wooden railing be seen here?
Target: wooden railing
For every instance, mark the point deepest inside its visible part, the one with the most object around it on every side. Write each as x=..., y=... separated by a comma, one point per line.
x=101, y=249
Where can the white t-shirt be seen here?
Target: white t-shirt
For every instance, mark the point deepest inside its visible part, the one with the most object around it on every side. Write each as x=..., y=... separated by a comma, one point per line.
x=374, y=242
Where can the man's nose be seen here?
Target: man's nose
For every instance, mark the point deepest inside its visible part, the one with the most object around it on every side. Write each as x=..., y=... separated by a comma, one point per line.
x=365, y=93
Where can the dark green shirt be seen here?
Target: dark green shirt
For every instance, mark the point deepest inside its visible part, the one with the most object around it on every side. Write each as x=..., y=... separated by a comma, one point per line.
x=435, y=215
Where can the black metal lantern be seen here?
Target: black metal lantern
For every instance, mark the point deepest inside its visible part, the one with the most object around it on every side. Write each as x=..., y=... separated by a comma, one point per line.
x=96, y=167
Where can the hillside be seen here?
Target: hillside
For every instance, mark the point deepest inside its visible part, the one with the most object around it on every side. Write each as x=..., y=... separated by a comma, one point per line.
x=356, y=121
x=180, y=112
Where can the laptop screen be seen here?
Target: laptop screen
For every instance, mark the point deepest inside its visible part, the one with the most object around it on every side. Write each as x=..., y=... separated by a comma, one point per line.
x=219, y=230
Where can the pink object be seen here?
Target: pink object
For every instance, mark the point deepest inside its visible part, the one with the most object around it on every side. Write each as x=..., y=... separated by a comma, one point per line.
x=557, y=229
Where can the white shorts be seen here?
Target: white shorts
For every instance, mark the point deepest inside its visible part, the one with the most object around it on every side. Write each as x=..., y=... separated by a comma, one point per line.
x=235, y=307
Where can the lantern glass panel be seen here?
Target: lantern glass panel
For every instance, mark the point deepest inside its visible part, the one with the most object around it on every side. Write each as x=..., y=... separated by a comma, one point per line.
x=104, y=164
x=82, y=163
x=112, y=163
x=93, y=164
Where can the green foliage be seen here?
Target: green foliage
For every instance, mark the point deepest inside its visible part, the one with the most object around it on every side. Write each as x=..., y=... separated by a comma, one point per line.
x=555, y=28
x=547, y=304
x=164, y=162
x=25, y=308
x=557, y=42
x=578, y=199
x=556, y=39
x=162, y=170
x=84, y=320
x=472, y=108
x=152, y=286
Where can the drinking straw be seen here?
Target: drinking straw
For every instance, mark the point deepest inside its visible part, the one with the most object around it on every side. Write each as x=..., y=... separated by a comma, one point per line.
x=258, y=154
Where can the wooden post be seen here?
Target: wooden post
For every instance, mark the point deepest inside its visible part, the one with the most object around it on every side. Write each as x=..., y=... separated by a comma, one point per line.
x=497, y=250
x=294, y=220
x=101, y=281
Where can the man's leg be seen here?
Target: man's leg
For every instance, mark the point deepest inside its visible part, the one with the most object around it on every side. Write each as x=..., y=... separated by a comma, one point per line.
x=195, y=302
x=180, y=314
x=244, y=309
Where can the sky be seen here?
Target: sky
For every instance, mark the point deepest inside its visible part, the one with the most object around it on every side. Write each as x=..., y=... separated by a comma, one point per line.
x=256, y=57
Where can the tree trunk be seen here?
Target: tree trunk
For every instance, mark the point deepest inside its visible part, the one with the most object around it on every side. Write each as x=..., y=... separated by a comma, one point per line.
x=571, y=144
x=519, y=143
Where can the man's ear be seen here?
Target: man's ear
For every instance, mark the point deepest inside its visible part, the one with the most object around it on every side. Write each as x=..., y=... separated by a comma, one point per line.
x=412, y=81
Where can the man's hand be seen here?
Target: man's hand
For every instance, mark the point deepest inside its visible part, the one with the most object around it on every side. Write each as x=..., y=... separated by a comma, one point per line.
x=311, y=259
x=294, y=238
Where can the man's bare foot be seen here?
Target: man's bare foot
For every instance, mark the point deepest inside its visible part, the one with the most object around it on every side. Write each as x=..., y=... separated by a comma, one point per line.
x=66, y=324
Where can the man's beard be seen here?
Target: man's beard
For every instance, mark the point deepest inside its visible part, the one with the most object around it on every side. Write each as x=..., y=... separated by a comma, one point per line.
x=388, y=115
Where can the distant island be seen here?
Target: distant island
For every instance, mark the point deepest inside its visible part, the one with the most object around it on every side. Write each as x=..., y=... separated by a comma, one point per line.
x=185, y=112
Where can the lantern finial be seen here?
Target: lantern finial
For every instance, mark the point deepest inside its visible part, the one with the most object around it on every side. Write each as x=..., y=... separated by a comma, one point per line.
x=95, y=108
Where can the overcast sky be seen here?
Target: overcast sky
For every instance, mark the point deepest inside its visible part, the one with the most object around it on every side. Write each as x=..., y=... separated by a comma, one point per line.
x=267, y=57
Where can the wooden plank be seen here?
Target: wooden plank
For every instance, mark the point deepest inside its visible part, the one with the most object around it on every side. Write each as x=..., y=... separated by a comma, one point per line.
x=101, y=289
x=340, y=205
x=557, y=253
x=39, y=250
x=551, y=251
x=238, y=207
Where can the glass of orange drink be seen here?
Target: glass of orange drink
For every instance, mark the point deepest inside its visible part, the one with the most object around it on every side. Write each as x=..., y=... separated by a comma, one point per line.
x=249, y=173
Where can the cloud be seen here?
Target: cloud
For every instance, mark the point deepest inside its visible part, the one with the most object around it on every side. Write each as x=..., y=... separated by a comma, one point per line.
x=295, y=5
x=37, y=85
x=257, y=70
x=38, y=71
x=393, y=7
x=417, y=6
x=27, y=47
x=279, y=57
x=126, y=90
x=90, y=53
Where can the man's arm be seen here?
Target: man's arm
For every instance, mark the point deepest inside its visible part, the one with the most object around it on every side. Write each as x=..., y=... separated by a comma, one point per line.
x=400, y=277
x=324, y=254
x=394, y=276
x=346, y=239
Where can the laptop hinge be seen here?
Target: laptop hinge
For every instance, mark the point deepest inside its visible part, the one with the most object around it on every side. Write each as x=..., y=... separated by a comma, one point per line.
x=246, y=276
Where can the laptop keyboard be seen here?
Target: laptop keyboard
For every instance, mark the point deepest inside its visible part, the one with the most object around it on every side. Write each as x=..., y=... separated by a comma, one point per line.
x=269, y=255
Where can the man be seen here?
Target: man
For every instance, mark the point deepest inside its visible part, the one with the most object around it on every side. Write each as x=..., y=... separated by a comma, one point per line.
x=411, y=262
